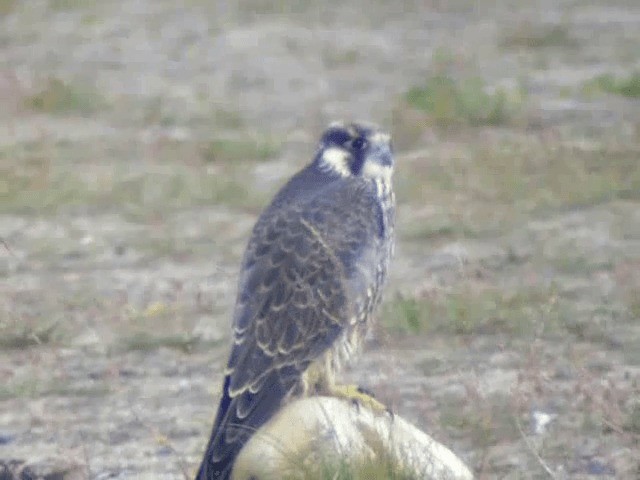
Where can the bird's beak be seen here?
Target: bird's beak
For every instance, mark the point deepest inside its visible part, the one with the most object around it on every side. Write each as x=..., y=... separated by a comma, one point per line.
x=381, y=151
x=379, y=164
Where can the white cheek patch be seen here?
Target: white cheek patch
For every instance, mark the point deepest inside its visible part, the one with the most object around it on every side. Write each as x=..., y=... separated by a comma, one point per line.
x=337, y=124
x=375, y=171
x=380, y=138
x=337, y=160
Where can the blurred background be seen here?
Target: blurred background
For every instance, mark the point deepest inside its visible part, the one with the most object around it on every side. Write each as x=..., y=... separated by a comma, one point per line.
x=140, y=139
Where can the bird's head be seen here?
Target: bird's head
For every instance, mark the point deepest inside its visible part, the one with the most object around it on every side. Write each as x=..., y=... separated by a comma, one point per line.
x=356, y=149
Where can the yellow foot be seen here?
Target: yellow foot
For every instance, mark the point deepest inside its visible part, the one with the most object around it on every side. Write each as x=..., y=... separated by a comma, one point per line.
x=359, y=396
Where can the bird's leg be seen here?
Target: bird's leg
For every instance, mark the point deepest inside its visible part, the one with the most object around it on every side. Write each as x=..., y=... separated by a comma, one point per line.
x=320, y=380
x=357, y=395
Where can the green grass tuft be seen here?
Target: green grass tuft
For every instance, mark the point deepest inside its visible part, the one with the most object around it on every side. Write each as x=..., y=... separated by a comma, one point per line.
x=470, y=311
x=628, y=86
x=468, y=101
x=340, y=58
x=237, y=150
x=57, y=97
x=225, y=118
x=405, y=314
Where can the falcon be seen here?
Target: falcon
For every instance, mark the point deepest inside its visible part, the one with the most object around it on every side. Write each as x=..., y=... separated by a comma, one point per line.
x=311, y=278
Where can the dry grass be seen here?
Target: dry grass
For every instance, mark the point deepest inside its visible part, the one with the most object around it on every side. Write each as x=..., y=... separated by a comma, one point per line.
x=40, y=177
x=57, y=97
x=491, y=186
x=536, y=36
x=7, y=6
x=480, y=310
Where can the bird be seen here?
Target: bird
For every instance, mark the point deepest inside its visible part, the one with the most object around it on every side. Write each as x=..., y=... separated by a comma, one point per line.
x=310, y=280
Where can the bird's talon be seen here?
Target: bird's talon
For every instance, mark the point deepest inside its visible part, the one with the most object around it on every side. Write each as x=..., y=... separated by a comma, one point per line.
x=355, y=394
x=365, y=391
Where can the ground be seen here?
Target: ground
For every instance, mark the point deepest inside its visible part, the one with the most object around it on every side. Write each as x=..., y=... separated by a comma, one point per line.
x=139, y=140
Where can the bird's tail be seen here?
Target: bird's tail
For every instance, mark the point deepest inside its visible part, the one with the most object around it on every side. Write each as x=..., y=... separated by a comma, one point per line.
x=215, y=471
x=210, y=468
x=238, y=419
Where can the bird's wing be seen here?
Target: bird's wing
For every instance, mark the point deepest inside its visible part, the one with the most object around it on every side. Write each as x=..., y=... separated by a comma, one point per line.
x=294, y=300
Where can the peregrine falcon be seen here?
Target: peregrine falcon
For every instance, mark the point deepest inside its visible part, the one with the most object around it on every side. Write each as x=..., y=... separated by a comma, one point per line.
x=311, y=277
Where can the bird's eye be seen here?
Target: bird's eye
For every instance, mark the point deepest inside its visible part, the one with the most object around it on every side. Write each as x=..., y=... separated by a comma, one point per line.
x=336, y=136
x=359, y=144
